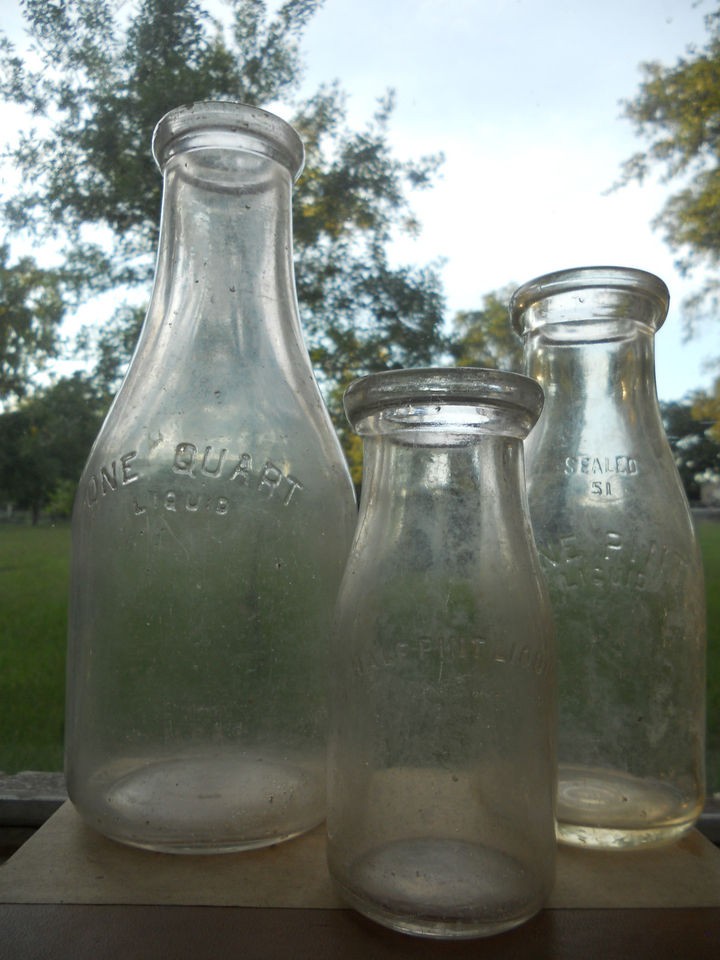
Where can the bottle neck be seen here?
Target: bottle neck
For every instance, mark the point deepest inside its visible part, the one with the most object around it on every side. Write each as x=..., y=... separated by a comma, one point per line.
x=614, y=372
x=428, y=492
x=601, y=406
x=224, y=280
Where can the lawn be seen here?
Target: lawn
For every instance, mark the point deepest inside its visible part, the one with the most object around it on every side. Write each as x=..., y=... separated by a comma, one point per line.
x=33, y=610
x=33, y=605
x=709, y=535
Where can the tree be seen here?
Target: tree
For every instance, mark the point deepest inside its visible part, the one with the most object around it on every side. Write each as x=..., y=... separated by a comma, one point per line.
x=677, y=109
x=31, y=308
x=110, y=71
x=45, y=440
x=485, y=338
x=706, y=408
x=696, y=452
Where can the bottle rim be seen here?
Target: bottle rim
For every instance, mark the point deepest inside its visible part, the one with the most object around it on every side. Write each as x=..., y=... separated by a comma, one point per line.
x=447, y=386
x=615, y=283
x=227, y=124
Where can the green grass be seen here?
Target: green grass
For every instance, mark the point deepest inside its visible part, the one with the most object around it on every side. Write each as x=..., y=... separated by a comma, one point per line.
x=33, y=611
x=709, y=536
x=34, y=565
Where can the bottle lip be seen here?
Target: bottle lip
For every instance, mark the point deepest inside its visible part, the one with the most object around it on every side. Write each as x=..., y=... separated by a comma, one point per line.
x=229, y=125
x=608, y=290
x=446, y=386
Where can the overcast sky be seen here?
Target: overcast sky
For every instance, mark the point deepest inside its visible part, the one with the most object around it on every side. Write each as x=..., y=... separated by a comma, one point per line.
x=522, y=97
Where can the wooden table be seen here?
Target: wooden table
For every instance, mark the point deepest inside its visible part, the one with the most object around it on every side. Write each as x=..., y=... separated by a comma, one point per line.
x=69, y=893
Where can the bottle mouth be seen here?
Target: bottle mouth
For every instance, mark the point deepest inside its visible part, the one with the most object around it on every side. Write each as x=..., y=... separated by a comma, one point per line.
x=227, y=125
x=590, y=300
x=444, y=399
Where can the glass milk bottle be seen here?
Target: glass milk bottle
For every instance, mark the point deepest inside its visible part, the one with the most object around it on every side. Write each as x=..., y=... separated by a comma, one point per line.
x=211, y=524
x=617, y=545
x=442, y=764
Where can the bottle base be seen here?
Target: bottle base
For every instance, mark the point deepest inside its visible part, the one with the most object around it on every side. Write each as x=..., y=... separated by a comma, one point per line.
x=220, y=803
x=612, y=810
x=443, y=889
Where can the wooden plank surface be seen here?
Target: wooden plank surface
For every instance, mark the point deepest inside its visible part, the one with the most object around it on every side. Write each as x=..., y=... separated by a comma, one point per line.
x=65, y=862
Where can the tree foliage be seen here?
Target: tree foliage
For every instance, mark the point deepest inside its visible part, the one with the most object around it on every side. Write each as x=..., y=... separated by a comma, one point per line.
x=696, y=451
x=31, y=308
x=706, y=409
x=677, y=110
x=485, y=338
x=106, y=73
x=45, y=440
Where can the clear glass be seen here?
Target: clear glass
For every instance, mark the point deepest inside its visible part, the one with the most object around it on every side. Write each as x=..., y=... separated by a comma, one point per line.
x=211, y=524
x=442, y=764
x=617, y=545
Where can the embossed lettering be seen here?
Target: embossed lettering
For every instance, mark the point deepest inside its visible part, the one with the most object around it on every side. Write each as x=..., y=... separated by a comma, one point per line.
x=108, y=480
x=205, y=468
x=91, y=491
x=174, y=502
x=613, y=563
x=444, y=650
x=270, y=478
x=592, y=465
x=184, y=458
x=243, y=469
x=613, y=541
x=270, y=481
x=294, y=485
x=127, y=476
